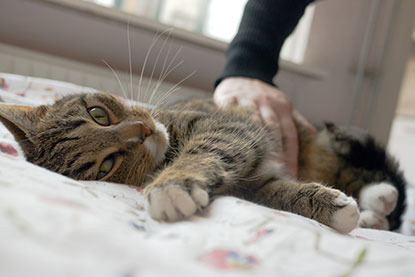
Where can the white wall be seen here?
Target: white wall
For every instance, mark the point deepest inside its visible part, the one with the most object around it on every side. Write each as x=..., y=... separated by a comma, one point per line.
x=336, y=40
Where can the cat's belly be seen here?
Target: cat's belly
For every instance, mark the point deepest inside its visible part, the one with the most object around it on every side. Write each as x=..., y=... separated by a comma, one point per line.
x=273, y=167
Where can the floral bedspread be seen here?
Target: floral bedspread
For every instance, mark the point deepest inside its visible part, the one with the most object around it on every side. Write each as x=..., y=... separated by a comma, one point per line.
x=51, y=225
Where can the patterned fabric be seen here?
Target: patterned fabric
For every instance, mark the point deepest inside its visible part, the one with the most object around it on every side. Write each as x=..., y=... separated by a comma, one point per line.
x=51, y=225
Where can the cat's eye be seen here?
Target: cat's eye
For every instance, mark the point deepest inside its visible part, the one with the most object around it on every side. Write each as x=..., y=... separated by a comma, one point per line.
x=100, y=116
x=106, y=167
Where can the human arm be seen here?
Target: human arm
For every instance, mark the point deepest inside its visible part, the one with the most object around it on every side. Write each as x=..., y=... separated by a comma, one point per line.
x=255, y=49
x=252, y=62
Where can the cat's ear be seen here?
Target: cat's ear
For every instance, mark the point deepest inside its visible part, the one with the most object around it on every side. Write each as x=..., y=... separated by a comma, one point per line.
x=22, y=122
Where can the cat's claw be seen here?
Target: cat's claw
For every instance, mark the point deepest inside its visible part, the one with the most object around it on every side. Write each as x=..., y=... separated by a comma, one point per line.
x=346, y=218
x=380, y=198
x=172, y=203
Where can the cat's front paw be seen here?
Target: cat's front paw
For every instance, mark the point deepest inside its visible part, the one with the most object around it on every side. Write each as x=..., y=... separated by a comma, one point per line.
x=175, y=202
x=380, y=198
x=346, y=218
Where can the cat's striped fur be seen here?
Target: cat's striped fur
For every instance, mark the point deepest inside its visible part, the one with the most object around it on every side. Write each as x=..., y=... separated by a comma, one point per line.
x=194, y=152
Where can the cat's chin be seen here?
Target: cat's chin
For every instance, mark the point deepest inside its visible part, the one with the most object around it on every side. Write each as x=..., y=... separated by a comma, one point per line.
x=158, y=143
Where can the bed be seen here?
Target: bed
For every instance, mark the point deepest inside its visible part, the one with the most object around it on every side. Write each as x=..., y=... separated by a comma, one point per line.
x=51, y=225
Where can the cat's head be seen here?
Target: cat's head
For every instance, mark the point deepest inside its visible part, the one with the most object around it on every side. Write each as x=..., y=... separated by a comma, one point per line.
x=89, y=137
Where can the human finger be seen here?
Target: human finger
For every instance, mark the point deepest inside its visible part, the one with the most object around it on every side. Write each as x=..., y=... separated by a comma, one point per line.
x=304, y=122
x=225, y=100
x=284, y=111
x=290, y=136
x=270, y=119
x=256, y=117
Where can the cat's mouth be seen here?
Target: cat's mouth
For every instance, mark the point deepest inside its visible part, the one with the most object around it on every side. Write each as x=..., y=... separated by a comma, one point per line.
x=157, y=143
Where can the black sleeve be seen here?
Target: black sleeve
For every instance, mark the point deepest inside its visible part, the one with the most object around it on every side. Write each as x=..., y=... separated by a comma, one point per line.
x=265, y=24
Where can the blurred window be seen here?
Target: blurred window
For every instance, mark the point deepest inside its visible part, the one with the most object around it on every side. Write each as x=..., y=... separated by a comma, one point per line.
x=217, y=19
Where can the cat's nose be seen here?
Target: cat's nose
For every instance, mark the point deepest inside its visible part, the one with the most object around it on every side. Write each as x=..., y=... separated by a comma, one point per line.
x=143, y=132
x=136, y=131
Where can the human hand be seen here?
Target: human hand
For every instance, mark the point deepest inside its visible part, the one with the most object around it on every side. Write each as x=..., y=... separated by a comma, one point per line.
x=272, y=107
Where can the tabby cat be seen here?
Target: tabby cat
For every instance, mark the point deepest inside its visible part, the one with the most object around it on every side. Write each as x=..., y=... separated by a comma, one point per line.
x=188, y=155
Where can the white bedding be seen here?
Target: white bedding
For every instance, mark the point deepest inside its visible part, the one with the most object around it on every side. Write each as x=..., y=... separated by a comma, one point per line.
x=51, y=225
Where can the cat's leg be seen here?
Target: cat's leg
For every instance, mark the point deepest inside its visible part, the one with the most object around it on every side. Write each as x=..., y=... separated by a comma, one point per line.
x=183, y=188
x=376, y=202
x=175, y=195
x=372, y=220
x=210, y=163
x=328, y=206
x=380, y=198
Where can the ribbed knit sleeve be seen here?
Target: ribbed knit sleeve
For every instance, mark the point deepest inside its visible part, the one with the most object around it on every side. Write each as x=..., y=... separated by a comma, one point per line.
x=265, y=24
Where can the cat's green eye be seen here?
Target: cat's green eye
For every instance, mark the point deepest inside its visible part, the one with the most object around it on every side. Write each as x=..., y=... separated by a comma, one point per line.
x=100, y=116
x=106, y=167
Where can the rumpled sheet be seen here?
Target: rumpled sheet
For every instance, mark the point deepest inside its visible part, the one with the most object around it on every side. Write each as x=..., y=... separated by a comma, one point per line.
x=51, y=225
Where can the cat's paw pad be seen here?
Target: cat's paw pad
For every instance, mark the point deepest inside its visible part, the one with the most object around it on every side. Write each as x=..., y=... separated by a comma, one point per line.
x=380, y=198
x=370, y=219
x=346, y=218
x=173, y=203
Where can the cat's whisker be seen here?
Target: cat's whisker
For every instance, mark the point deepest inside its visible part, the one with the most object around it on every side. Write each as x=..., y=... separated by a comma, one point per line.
x=161, y=80
x=130, y=59
x=156, y=62
x=131, y=171
x=165, y=60
x=165, y=71
x=118, y=79
x=131, y=176
x=172, y=90
x=155, y=39
x=135, y=167
x=168, y=70
x=154, y=113
x=165, y=95
x=174, y=58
